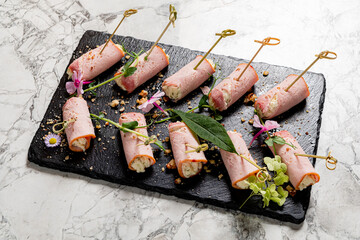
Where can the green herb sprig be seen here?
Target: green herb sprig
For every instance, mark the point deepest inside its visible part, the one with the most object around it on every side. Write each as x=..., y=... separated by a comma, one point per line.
x=128, y=127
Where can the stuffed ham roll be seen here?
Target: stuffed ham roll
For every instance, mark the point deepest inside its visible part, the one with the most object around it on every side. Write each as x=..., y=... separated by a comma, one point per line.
x=146, y=69
x=92, y=63
x=299, y=169
x=188, y=164
x=230, y=89
x=277, y=101
x=80, y=130
x=238, y=168
x=187, y=79
x=138, y=156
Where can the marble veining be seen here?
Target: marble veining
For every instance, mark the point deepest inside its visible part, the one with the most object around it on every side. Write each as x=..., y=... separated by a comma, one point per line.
x=37, y=38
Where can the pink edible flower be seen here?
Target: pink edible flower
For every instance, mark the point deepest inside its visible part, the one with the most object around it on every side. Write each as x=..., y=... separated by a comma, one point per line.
x=149, y=104
x=269, y=125
x=77, y=84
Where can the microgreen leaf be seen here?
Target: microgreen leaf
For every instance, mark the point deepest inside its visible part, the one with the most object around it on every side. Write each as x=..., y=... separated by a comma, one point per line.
x=269, y=142
x=130, y=71
x=203, y=101
x=130, y=125
x=280, y=179
x=218, y=117
x=208, y=129
x=278, y=140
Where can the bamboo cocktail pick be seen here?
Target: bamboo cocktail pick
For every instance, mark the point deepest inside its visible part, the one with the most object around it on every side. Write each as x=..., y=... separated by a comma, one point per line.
x=264, y=42
x=172, y=18
x=322, y=55
x=127, y=13
x=263, y=174
x=330, y=160
x=223, y=34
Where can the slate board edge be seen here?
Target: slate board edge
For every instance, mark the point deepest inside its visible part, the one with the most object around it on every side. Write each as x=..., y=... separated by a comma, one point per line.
x=180, y=194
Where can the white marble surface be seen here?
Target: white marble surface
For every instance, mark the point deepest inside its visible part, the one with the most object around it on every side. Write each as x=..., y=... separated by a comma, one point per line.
x=37, y=38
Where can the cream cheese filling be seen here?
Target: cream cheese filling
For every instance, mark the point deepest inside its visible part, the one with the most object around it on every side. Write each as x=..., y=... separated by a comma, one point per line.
x=191, y=168
x=80, y=143
x=173, y=92
x=244, y=184
x=140, y=163
x=307, y=181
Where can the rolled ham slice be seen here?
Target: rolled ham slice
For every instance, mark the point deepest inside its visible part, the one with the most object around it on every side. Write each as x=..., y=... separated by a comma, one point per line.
x=238, y=168
x=188, y=164
x=138, y=156
x=276, y=101
x=299, y=169
x=230, y=90
x=187, y=79
x=80, y=132
x=92, y=63
x=146, y=69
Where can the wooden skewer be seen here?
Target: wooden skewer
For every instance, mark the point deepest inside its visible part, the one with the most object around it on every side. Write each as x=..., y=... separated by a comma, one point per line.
x=264, y=42
x=223, y=34
x=172, y=18
x=201, y=148
x=329, y=159
x=262, y=171
x=127, y=13
x=322, y=55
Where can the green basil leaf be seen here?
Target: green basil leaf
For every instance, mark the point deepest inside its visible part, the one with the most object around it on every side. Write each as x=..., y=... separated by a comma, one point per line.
x=130, y=125
x=130, y=71
x=208, y=129
x=203, y=100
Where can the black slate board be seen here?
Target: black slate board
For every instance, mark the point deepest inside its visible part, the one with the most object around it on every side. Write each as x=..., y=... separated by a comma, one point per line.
x=109, y=164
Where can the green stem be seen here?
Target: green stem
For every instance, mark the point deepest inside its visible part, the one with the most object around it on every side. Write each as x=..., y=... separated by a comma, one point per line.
x=124, y=129
x=252, y=194
x=103, y=83
x=168, y=118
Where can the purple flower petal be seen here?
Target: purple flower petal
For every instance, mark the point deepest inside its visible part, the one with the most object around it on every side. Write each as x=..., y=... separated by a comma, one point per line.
x=156, y=105
x=271, y=125
x=50, y=138
x=205, y=90
x=258, y=134
x=257, y=123
x=70, y=87
x=146, y=106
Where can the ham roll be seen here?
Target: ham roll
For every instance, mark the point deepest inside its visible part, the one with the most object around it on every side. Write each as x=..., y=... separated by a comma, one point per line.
x=230, y=90
x=187, y=79
x=146, y=69
x=138, y=155
x=299, y=169
x=277, y=101
x=188, y=164
x=238, y=168
x=92, y=63
x=80, y=132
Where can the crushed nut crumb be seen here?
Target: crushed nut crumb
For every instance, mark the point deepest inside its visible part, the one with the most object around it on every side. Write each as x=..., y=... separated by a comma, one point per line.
x=171, y=164
x=114, y=103
x=178, y=181
x=143, y=93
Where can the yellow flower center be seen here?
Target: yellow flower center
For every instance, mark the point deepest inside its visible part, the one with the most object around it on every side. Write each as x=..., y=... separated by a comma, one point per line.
x=52, y=140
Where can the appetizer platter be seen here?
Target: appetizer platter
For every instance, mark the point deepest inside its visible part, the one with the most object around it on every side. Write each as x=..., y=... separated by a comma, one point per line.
x=97, y=148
